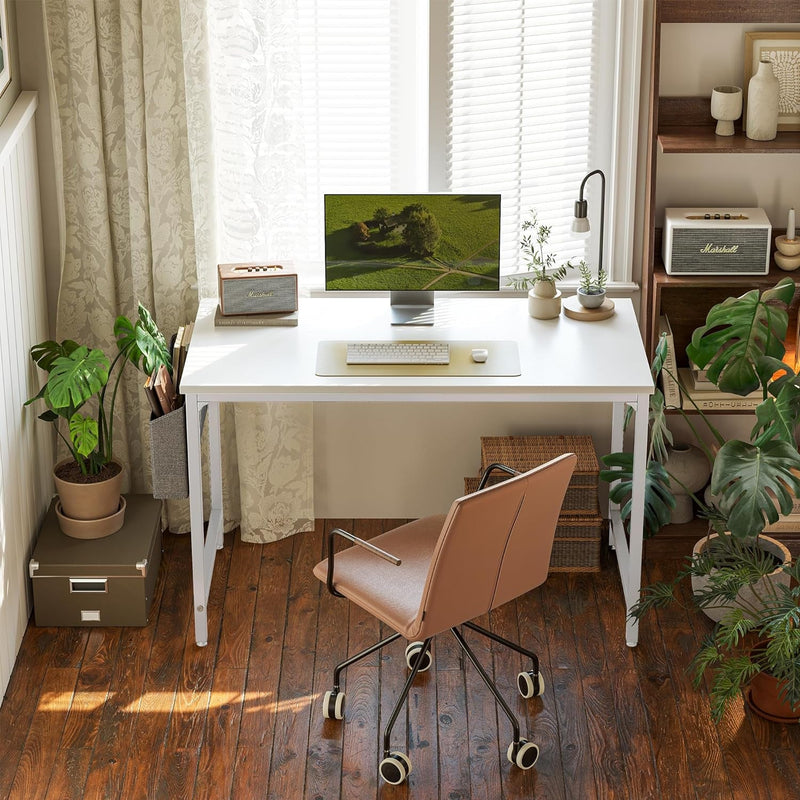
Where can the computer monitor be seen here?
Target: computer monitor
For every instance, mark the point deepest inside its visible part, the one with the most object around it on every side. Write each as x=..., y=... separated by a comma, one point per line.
x=412, y=245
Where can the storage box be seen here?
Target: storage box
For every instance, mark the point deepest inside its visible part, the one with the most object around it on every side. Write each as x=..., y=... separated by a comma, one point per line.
x=526, y=452
x=98, y=582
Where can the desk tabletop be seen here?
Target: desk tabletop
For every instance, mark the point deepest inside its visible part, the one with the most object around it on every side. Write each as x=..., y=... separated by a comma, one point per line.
x=560, y=358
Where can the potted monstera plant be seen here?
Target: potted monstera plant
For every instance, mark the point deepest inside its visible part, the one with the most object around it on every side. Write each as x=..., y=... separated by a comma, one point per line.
x=734, y=570
x=80, y=394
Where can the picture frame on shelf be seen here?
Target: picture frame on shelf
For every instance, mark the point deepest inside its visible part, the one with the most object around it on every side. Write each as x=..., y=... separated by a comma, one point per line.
x=5, y=43
x=782, y=48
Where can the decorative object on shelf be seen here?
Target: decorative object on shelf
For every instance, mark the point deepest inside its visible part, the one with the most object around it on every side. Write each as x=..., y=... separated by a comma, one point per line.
x=716, y=241
x=762, y=104
x=726, y=108
x=782, y=49
x=544, y=300
x=787, y=256
x=689, y=470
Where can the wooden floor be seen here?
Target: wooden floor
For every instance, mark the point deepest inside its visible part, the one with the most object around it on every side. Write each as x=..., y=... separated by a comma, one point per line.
x=144, y=713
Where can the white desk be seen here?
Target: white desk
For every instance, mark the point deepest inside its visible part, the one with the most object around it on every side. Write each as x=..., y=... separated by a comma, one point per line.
x=562, y=360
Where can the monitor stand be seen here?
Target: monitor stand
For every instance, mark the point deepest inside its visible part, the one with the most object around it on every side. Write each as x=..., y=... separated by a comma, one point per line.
x=412, y=308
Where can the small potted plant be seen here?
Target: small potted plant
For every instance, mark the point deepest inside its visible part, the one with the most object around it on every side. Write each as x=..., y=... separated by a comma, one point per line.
x=89, y=481
x=544, y=300
x=592, y=288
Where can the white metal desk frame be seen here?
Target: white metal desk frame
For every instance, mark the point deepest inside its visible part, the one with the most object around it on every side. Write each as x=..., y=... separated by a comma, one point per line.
x=212, y=376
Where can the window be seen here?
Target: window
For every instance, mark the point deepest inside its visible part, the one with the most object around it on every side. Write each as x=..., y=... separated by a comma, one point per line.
x=518, y=96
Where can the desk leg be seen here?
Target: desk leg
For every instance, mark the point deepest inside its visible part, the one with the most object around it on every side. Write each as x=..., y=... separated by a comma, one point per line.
x=633, y=578
x=195, y=464
x=617, y=436
x=216, y=519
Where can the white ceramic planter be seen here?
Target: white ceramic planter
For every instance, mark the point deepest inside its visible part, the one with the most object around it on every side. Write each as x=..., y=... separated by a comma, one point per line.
x=544, y=301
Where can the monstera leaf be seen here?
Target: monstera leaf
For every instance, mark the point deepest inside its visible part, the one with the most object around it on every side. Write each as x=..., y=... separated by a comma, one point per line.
x=76, y=377
x=749, y=479
x=84, y=433
x=658, y=498
x=741, y=344
x=142, y=343
x=777, y=417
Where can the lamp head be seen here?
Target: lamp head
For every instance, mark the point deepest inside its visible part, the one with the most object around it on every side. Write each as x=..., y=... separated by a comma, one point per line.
x=580, y=223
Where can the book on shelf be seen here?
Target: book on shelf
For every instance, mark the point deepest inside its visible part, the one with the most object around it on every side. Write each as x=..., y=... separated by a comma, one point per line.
x=714, y=400
x=277, y=319
x=700, y=379
x=669, y=386
x=788, y=523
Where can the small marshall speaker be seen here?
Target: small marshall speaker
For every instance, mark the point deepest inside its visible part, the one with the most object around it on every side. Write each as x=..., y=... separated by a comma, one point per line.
x=717, y=241
x=256, y=289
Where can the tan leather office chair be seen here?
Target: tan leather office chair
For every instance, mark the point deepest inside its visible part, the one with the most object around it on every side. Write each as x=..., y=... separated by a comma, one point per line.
x=441, y=572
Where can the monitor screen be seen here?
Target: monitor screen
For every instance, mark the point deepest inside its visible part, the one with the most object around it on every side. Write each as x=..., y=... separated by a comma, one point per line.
x=412, y=242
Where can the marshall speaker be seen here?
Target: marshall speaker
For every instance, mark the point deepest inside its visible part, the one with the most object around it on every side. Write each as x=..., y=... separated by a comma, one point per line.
x=718, y=241
x=256, y=289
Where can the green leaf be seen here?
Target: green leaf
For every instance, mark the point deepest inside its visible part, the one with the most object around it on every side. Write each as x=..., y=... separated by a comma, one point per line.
x=750, y=478
x=658, y=497
x=45, y=353
x=777, y=418
x=660, y=434
x=76, y=377
x=742, y=337
x=84, y=433
x=142, y=343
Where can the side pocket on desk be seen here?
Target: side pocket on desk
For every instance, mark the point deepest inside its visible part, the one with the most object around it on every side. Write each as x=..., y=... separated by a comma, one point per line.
x=169, y=461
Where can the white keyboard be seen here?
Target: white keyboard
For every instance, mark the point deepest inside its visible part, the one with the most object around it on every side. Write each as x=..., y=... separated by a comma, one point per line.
x=398, y=353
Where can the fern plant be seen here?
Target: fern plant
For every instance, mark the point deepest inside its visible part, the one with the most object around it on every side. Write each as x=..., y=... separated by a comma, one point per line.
x=759, y=632
x=78, y=382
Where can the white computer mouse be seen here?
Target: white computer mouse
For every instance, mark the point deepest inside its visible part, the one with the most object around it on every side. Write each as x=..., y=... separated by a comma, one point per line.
x=479, y=354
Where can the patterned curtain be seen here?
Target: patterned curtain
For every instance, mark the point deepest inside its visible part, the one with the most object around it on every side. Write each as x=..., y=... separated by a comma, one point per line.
x=144, y=221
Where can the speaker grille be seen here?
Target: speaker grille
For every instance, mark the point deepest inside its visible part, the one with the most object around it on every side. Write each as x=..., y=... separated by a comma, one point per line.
x=260, y=295
x=724, y=251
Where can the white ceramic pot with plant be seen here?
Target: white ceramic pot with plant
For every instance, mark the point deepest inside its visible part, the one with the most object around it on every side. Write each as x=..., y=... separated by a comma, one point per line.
x=544, y=299
x=592, y=288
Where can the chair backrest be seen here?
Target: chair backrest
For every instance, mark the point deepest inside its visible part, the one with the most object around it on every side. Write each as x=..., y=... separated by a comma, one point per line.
x=495, y=545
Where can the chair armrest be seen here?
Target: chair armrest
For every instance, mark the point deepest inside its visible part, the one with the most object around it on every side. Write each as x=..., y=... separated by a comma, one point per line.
x=491, y=468
x=361, y=543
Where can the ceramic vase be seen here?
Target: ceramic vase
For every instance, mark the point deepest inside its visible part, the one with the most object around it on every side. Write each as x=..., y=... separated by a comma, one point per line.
x=726, y=107
x=762, y=104
x=544, y=300
x=687, y=464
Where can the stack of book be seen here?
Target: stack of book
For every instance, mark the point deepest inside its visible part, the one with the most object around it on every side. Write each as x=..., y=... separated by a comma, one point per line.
x=702, y=394
x=788, y=523
x=162, y=387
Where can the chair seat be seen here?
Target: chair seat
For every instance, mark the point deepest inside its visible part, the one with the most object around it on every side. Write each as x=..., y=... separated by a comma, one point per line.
x=392, y=594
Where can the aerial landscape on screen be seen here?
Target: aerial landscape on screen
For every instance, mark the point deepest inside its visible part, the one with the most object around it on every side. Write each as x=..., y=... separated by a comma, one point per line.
x=440, y=242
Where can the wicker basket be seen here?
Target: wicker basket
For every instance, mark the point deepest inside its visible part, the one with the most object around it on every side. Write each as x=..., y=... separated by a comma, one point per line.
x=525, y=452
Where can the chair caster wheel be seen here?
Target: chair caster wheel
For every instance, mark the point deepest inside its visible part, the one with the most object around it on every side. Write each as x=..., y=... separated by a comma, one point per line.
x=395, y=768
x=523, y=753
x=333, y=705
x=530, y=684
x=412, y=654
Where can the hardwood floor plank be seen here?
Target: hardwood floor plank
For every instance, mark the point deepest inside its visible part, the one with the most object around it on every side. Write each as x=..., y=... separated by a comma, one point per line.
x=541, y=717
x=37, y=761
x=68, y=778
x=221, y=733
x=623, y=680
x=290, y=741
x=567, y=690
x=451, y=698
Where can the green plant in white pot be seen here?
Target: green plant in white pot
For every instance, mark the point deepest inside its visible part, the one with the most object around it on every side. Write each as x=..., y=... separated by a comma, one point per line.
x=80, y=395
x=753, y=481
x=592, y=287
x=544, y=299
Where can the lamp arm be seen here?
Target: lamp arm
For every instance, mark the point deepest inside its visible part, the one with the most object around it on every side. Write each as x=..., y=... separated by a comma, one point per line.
x=602, y=209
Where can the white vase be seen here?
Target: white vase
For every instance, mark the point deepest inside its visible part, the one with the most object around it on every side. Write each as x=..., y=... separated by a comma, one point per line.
x=762, y=104
x=544, y=300
x=688, y=465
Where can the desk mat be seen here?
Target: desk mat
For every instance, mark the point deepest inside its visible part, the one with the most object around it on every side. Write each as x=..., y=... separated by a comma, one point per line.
x=503, y=361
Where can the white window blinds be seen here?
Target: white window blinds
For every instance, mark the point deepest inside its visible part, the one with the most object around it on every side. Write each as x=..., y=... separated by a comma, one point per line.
x=526, y=82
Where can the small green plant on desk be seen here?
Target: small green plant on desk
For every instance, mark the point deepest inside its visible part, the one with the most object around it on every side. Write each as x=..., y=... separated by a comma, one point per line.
x=753, y=482
x=542, y=271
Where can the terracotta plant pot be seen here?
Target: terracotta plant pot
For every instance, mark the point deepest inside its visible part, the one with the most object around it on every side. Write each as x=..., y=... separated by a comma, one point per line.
x=762, y=695
x=89, y=501
x=91, y=528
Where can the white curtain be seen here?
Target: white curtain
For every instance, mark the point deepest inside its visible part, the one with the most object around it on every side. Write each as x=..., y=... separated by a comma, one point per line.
x=156, y=187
